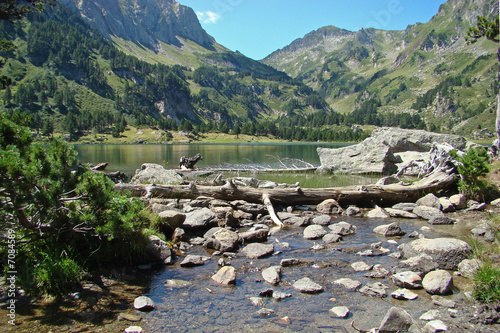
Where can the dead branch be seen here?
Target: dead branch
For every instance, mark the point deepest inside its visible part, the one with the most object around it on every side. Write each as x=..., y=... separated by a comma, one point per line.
x=269, y=205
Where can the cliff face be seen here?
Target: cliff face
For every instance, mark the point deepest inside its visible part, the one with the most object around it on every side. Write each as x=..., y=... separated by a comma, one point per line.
x=144, y=22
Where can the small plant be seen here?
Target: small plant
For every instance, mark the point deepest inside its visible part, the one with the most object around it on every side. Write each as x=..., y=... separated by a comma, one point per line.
x=487, y=288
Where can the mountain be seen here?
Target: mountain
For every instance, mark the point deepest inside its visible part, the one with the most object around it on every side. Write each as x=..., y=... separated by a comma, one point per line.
x=426, y=70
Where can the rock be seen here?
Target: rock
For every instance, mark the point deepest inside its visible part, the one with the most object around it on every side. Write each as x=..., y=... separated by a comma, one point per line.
x=254, y=236
x=429, y=315
x=435, y=326
x=375, y=289
x=194, y=260
x=155, y=174
x=459, y=201
x=157, y=208
x=377, y=213
x=342, y=228
x=446, y=205
x=340, y=311
x=314, y=232
x=134, y=329
x=378, y=272
x=277, y=295
x=446, y=252
x=197, y=241
x=265, y=312
x=226, y=275
x=178, y=235
x=400, y=213
x=331, y=238
x=159, y=250
x=143, y=303
x=330, y=206
x=290, y=262
x=395, y=320
x=481, y=229
x=257, y=250
x=427, y=213
x=129, y=317
x=200, y=219
x=172, y=218
x=223, y=240
x=389, y=230
x=293, y=219
x=361, y=266
x=352, y=210
x=306, y=285
x=438, y=282
x=349, y=284
x=441, y=301
x=252, y=208
x=441, y=220
x=388, y=181
x=323, y=220
x=176, y=283
x=469, y=267
x=404, y=294
x=476, y=206
x=225, y=216
x=429, y=200
x=257, y=301
x=272, y=274
x=406, y=206
x=421, y=264
x=407, y=279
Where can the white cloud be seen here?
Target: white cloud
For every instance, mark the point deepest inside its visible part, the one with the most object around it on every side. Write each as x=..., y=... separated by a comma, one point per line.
x=208, y=17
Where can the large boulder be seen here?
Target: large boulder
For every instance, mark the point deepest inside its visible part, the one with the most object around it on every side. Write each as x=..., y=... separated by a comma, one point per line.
x=151, y=173
x=446, y=252
x=200, y=219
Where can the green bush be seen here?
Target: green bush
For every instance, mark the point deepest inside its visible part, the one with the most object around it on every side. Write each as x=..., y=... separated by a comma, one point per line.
x=487, y=288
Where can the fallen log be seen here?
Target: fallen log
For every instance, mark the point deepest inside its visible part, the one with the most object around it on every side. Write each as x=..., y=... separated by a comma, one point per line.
x=365, y=195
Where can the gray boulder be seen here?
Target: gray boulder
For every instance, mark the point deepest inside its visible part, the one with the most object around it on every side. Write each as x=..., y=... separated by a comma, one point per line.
x=155, y=174
x=400, y=213
x=420, y=264
x=407, y=279
x=226, y=275
x=329, y=206
x=194, y=260
x=429, y=200
x=395, y=320
x=223, y=240
x=427, y=213
x=459, y=201
x=159, y=250
x=469, y=267
x=323, y=220
x=257, y=250
x=389, y=230
x=172, y=218
x=308, y=286
x=272, y=274
x=200, y=219
x=340, y=311
x=314, y=232
x=331, y=238
x=342, y=228
x=375, y=289
x=254, y=236
x=406, y=206
x=438, y=282
x=349, y=284
x=143, y=303
x=446, y=252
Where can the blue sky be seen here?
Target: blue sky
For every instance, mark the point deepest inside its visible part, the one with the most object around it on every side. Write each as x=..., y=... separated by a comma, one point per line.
x=258, y=27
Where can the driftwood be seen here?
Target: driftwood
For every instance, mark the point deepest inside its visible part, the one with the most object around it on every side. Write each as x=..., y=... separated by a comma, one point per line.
x=366, y=195
x=187, y=163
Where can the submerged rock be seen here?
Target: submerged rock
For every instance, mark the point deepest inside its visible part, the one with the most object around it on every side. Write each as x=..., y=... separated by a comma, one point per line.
x=306, y=285
x=226, y=275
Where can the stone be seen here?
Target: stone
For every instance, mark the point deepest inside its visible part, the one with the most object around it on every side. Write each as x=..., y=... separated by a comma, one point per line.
x=481, y=229
x=308, y=286
x=404, y=294
x=257, y=250
x=389, y=230
x=331, y=238
x=340, y=311
x=157, y=208
x=265, y=312
x=430, y=315
x=129, y=317
x=377, y=213
x=427, y=213
x=388, y=181
x=444, y=302
x=329, y=206
x=225, y=216
x=144, y=303
x=438, y=282
x=323, y=220
x=257, y=301
x=361, y=266
x=406, y=206
x=176, y=283
x=278, y=295
x=400, y=213
x=151, y=173
x=224, y=240
x=247, y=207
x=272, y=274
x=254, y=236
x=375, y=289
x=178, y=235
x=421, y=264
x=407, y=279
x=226, y=275
x=476, y=206
x=469, y=267
x=197, y=241
x=134, y=329
x=342, y=228
x=429, y=200
x=172, y=219
x=446, y=205
x=314, y=232
x=459, y=201
x=159, y=250
x=289, y=262
x=395, y=320
x=352, y=210
x=446, y=252
x=194, y=260
x=349, y=284
x=200, y=218
x=443, y=220
x=435, y=326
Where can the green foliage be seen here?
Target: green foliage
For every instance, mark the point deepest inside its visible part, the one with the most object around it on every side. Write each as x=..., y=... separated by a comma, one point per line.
x=487, y=284
x=484, y=28
x=70, y=219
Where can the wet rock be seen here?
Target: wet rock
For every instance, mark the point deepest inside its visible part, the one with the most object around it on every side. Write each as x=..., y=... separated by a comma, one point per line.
x=375, y=289
x=404, y=294
x=430, y=315
x=446, y=205
x=395, y=320
x=443, y=220
x=241, y=215
x=134, y=329
x=481, y=229
x=323, y=220
x=159, y=250
x=349, y=284
x=329, y=206
x=438, y=282
x=459, y=201
x=444, y=302
x=361, y=266
x=176, y=283
x=226, y=275
x=407, y=279
x=257, y=250
x=129, y=317
x=352, y=210
x=427, y=213
x=143, y=303
x=306, y=285
x=172, y=219
x=290, y=262
x=389, y=230
x=178, y=235
x=400, y=213
x=421, y=264
x=378, y=272
x=197, y=241
x=331, y=238
x=406, y=206
x=225, y=216
x=342, y=228
x=475, y=206
x=277, y=295
x=200, y=219
x=272, y=274
x=435, y=326
x=252, y=208
x=314, y=232
x=429, y=200
x=265, y=312
x=377, y=213
x=340, y=311
x=257, y=301
x=446, y=252
x=194, y=260
x=223, y=240
x=254, y=236
x=469, y=267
